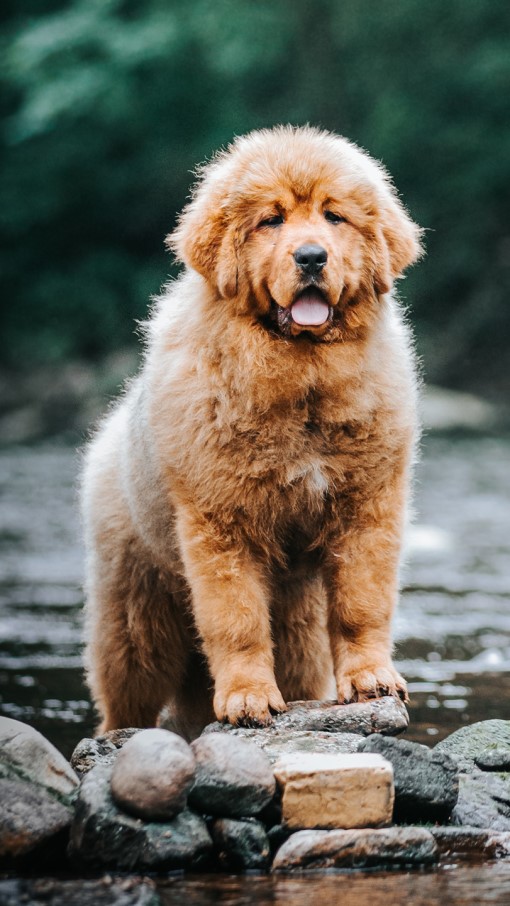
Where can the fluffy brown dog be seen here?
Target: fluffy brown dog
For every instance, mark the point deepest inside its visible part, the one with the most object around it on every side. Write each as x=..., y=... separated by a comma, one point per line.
x=244, y=503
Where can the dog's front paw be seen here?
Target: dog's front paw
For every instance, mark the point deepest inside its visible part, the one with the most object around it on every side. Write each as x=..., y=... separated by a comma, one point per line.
x=248, y=704
x=370, y=681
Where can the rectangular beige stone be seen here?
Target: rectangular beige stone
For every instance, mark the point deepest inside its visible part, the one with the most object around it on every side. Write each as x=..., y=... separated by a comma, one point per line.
x=329, y=791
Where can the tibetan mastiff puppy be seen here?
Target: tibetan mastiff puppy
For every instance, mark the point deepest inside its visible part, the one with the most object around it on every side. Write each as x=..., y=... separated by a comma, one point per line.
x=245, y=500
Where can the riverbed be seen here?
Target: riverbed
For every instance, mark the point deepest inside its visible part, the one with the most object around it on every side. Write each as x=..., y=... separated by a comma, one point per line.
x=452, y=634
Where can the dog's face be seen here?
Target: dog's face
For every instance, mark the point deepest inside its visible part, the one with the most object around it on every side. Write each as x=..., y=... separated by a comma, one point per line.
x=300, y=229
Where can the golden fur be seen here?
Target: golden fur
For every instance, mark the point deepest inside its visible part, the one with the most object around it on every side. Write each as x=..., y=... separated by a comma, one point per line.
x=244, y=502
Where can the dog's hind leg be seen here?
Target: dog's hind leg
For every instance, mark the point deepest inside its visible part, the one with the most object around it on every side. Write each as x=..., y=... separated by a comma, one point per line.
x=137, y=641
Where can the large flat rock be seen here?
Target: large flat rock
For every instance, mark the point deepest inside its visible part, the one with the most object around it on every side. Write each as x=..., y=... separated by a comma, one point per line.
x=323, y=849
x=385, y=715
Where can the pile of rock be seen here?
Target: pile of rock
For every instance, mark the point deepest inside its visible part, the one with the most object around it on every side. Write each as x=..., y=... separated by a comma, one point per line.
x=327, y=786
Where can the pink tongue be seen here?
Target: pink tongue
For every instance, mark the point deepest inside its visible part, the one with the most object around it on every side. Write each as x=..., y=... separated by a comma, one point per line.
x=310, y=310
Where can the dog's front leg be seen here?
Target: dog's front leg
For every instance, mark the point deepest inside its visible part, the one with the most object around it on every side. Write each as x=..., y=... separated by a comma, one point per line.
x=362, y=576
x=230, y=606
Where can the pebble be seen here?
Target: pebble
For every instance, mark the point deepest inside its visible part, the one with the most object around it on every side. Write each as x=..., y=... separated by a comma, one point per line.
x=152, y=775
x=233, y=777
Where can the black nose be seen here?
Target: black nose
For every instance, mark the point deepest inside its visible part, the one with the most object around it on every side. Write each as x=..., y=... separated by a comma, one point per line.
x=310, y=258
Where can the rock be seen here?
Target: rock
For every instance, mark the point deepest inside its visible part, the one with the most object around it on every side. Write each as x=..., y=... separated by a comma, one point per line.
x=286, y=742
x=152, y=775
x=37, y=786
x=496, y=759
x=277, y=835
x=323, y=849
x=329, y=791
x=386, y=715
x=233, y=778
x=102, y=835
x=471, y=843
x=468, y=743
x=26, y=754
x=30, y=818
x=484, y=801
x=426, y=781
x=101, y=750
x=241, y=843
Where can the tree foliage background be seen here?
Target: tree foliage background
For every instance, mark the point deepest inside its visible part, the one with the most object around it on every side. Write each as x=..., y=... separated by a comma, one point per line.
x=108, y=104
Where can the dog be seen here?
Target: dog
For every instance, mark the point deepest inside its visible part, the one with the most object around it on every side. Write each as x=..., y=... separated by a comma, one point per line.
x=244, y=502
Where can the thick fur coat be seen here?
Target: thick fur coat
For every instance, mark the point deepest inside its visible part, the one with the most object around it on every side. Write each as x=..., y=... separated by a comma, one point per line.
x=245, y=500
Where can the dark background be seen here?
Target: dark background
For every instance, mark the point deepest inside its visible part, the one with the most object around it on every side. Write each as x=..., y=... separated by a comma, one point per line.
x=108, y=104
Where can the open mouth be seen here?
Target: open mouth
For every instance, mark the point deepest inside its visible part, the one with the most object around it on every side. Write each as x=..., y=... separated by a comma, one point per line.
x=310, y=308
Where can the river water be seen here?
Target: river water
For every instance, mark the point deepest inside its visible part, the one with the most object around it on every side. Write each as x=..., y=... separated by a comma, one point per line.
x=452, y=629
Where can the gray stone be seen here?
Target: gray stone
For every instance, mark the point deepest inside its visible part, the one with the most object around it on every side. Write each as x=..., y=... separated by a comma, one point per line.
x=286, y=742
x=385, y=715
x=496, y=759
x=102, y=835
x=152, y=775
x=426, y=781
x=468, y=743
x=26, y=754
x=29, y=818
x=233, y=777
x=471, y=843
x=102, y=750
x=367, y=848
x=484, y=801
x=241, y=843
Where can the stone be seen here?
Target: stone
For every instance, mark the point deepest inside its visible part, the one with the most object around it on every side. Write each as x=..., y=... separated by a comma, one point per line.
x=484, y=801
x=468, y=743
x=387, y=715
x=152, y=775
x=471, y=843
x=103, y=835
x=233, y=778
x=426, y=781
x=496, y=759
x=102, y=750
x=367, y=848
x=241, y=843
x=26, y=754
x=30, y=818
x=330, y=791
x=285, y=742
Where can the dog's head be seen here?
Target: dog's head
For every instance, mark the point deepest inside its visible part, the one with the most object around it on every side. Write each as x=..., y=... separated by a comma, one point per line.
x=300, y=229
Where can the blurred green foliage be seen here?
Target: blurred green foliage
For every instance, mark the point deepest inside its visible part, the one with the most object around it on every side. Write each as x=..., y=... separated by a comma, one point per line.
x=108, y=104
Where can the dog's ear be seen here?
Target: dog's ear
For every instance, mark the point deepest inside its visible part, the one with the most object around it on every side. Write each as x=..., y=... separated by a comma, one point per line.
x=205, y=240
x=397, y=243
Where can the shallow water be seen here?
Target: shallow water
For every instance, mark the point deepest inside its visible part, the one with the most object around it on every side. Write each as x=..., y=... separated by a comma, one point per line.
x=452, y=628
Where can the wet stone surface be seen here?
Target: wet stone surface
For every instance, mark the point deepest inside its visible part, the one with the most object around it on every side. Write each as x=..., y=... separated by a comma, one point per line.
x=153, y=774
x=233, y=778
x=426, y=782
x=101, y=834
x=323, y=849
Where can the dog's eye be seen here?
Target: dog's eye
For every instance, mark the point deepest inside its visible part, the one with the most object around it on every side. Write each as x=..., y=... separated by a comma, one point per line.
x=273, y=221
x=331, y=217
